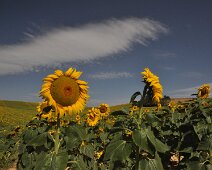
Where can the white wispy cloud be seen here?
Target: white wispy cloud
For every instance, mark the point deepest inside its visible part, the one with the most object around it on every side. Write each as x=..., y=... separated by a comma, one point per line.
x=77, y=44
x=110, y=75
x=186, y=92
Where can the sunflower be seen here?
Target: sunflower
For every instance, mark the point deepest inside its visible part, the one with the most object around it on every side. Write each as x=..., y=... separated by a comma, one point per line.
x=128, y=132
x=134, y=108
x=45, y=111
x=146, y=110
x=104, y=110
x=78, y=119
x=93, y=116
x=65, y=92
x=172, y=105
x=175, y=159
x=101, y=129
x=42, y=106
x=153, y=81
x=98, y=154
x=110, y=121
x=203, y=91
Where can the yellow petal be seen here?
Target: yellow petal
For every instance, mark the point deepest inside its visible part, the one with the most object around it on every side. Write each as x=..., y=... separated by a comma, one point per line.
x=76, y=74
x=53, y=76
x=69, y=71
x=46, y=85
x=81, y=82
x=44, y=90
x=48, y=79
x=58, y=73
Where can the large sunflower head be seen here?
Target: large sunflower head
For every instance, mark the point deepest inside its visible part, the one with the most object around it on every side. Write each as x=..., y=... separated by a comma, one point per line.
x=104, y=110
x=149, y=77
x=65, y=92
x=153, y=82
x=203, y=91
x=93, y=117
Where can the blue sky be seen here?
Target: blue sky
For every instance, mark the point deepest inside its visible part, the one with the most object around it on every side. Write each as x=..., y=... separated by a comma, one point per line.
x=110, y=41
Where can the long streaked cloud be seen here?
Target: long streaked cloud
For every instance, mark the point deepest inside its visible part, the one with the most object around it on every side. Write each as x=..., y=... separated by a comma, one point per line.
x=110, y=75
x=77, y=44
x=186, y=92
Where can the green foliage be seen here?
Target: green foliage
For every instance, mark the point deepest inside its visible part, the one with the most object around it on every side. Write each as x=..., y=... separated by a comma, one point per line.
x=163, y=139
x=8, y=146
x=114, y=149
x=14, y=113
x=142, y=139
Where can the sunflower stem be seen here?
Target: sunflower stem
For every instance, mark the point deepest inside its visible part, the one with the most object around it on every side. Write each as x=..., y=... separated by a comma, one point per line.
x=139, y=126
x=57, y=134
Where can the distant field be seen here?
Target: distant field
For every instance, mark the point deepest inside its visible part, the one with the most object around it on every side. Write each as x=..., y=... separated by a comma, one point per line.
x=181, y=99
x=13, y=113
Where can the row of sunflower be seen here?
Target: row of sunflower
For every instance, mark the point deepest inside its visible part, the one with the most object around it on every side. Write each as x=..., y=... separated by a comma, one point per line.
x=63, y=136
x=96, y=114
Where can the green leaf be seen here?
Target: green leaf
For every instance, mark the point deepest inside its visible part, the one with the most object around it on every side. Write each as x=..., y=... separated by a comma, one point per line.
x=29, y=134
x=80, y=164
x=42, y=129
x=43, y=161
x=26, y=160
x=208, y=119
x=38, y=140
x=72, y=142
x=60, y=161
x=140, y=138
x=151, y=164
x=93, y=165
x=197, y=166
x=133, y=97
x=118, y=112
x=87, y=150
x=200, y=129
x=118, y=150
x=187, y=150
x=116, y=136
x=103, y=136
x=152, y=119
x=205, y=144
x=159, y=146
x=3, y=147
x=21, y=149
x=77, y=132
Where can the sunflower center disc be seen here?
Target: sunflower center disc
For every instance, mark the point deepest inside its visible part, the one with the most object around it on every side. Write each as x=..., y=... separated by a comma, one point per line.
x=204, y=91
x=65, y=91
x=103, y=109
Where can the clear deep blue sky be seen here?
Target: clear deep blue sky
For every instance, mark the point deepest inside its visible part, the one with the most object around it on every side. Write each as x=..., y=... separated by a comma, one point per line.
x=110, y=41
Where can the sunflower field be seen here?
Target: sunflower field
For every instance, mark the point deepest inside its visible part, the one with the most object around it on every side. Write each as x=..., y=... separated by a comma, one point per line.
x=64, y=136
